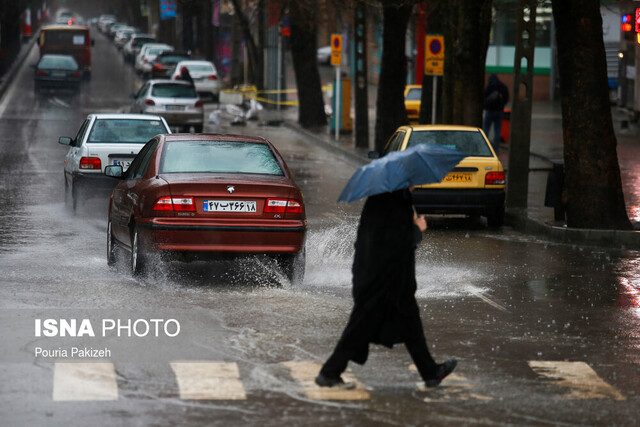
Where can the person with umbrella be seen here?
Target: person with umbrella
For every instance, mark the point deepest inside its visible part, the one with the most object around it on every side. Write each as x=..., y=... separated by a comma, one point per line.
x=385, y=310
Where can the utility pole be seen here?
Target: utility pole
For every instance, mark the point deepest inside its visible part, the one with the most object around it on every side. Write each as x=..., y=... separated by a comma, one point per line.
x=362, y=85
x=520, y=138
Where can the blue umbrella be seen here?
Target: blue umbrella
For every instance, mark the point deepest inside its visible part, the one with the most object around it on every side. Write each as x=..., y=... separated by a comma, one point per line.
x=418, y=165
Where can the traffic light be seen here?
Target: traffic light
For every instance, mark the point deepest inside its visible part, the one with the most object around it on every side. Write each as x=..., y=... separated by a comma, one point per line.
x=626, y=20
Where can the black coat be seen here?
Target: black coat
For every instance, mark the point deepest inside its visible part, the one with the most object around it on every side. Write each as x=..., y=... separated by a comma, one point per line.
x=384, y=283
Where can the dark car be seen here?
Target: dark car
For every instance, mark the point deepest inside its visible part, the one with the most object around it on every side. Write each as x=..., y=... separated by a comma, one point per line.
x=57, y=72
x=207, y=194
x=165, y=62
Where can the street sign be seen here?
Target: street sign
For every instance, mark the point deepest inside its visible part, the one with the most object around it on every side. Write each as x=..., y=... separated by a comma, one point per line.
x=434, y=56
x=336, y=49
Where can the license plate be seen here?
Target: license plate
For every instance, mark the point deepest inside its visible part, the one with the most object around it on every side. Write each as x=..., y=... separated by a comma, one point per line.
x=458, y=177
x=174, y=107
x=124, y=163
x=229, y=206
x=58, y=74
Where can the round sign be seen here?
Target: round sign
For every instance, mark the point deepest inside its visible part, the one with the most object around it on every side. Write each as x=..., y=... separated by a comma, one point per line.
x=435, y=47
x=336, y=42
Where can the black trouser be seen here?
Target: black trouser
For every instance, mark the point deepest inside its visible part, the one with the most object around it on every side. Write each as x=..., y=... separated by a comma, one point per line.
x=414, y=340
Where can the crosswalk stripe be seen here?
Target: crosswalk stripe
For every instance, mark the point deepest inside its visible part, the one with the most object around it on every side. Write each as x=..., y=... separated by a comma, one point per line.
x=583, y=381
x=306, y=372
x=209, y=380
x=84, y=381
x=454, y=387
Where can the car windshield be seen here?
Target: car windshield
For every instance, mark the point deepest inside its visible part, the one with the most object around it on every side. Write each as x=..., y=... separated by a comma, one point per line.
x=219, y=157
x=156, y=50
x=169, y=90
x=200, y=68
x=125, y=130
x=58, y=63
x=139, y=41
x=171, y=59
x=414, y=94
x=469, y=143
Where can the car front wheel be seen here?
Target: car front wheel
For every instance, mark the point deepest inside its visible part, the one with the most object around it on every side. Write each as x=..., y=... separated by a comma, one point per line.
x=138, y=262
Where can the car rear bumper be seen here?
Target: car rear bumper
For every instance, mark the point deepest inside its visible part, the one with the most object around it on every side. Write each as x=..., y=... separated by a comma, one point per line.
x=457, y=201
x=222, y=236
x=94, y=184
x=181, y=118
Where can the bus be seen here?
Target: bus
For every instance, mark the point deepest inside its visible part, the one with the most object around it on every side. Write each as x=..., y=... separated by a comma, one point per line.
x=71, y=40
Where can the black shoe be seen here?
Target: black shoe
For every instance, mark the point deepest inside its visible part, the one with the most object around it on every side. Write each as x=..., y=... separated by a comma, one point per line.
x=442, y=371
x=338, y=383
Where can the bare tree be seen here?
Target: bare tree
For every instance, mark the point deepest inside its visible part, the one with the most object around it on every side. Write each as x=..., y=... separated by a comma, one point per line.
x=593, y=188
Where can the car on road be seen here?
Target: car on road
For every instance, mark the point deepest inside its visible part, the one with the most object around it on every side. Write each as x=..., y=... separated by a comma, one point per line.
x=136, y=41
x=123, y=35
x=147, y=54
x=165, y=61
x=74, y=40
x=175, y=100
x=324, y=55
x=206, y=195
x=204, y=75
x=102, y=140
x=57, y=72
x=476, y=186
x=412, y=97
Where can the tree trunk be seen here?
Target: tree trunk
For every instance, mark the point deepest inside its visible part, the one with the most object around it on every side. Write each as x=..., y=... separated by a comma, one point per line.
x=253, y=54
x=466, y=43
x=304, y=28
x=593, y=188
x=390, y=111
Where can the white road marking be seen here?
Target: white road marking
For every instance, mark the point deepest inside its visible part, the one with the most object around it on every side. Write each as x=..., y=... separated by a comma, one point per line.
x=454, y=387
x=209, y=380
x=84, y=381
x=583, y=381
x=306, y=372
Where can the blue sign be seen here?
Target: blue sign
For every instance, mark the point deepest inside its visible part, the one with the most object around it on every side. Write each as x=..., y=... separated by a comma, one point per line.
x=167, y=9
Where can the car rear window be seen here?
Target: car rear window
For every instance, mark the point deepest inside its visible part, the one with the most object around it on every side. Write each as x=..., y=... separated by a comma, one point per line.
x=171, y=59
x=125, y=130
x=169, y=90
x=469, y=143
x=64, y=37
x=219, y=157
x=200, y=68
x=58, y=63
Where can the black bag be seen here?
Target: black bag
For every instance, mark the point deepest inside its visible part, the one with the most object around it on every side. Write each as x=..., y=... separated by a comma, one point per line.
x=493, y=101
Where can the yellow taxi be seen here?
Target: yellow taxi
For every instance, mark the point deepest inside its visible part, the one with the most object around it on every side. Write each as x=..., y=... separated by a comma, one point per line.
x=412, y=94
x=476, y=186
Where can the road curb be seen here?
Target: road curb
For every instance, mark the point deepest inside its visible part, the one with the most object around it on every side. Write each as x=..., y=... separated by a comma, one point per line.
x=8, y=77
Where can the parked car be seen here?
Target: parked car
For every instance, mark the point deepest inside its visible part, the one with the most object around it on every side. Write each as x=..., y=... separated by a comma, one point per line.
x=165, y=61
x=475, y=187
x=104, y=20
x=57, y=72
x=207, y=195
x=324, y=55
x=148, y=53
x=102, y=140
x=123, y=35
x=204, y=75
x=176, y=101
x=132, y=47
x=412, y=97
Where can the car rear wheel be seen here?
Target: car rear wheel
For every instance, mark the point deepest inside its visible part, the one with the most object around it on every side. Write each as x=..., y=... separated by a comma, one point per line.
x=138, y=261
x=111, y=246
x=293, y=267
x=495, y=216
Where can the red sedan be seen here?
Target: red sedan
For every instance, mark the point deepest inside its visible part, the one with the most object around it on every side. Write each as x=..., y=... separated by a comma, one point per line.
x=207, y=194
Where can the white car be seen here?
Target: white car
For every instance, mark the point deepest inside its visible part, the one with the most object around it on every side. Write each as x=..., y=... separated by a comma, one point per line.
x=148, y=53
x=324, y=55
x=204, y=75
x=122, y=36
x=136, y=41
x=103, y=140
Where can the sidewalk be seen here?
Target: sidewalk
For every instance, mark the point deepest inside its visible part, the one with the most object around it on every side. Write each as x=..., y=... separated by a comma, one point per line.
x=546, y=144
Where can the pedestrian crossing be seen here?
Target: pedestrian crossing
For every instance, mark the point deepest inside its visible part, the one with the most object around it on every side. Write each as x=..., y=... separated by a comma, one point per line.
x=219, y=380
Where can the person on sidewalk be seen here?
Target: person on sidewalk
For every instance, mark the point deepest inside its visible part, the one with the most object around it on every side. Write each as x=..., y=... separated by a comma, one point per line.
x=496, y=96
x=385, y=309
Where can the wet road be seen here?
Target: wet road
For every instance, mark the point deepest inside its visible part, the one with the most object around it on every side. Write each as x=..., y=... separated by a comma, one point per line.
x=545, y=333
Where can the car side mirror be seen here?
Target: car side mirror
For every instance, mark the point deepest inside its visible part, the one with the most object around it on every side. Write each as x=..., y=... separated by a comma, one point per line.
x=65, y=140
x=114, y=171
x=373, y=155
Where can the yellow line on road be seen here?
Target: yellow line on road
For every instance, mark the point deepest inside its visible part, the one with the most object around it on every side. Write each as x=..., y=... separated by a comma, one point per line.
x=305, y=373
x=583, y=381
x=84, y=381
x=209, y=381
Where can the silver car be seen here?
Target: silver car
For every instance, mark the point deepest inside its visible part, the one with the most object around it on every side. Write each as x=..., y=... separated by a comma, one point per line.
x=103, y=140
x=175, y=100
